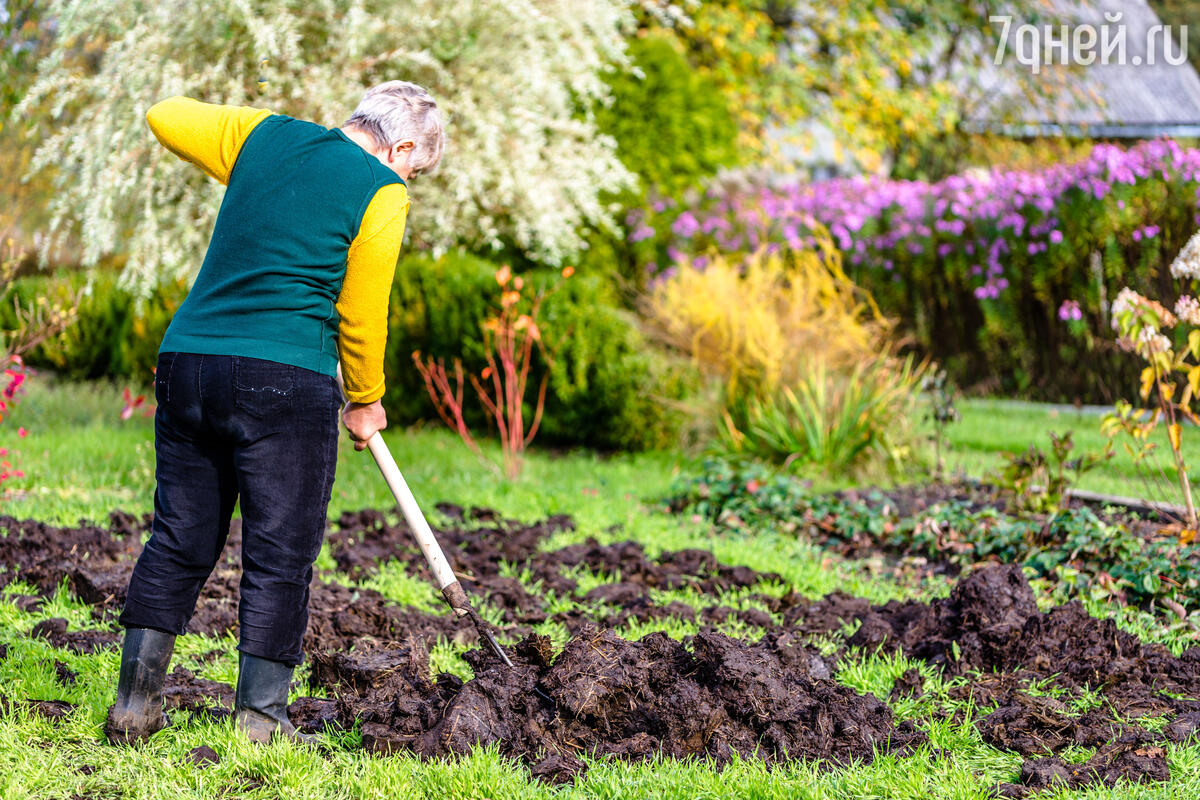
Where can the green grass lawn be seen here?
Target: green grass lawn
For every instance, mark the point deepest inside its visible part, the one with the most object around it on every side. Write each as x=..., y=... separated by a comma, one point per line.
x=990, y=427
x=82, y=461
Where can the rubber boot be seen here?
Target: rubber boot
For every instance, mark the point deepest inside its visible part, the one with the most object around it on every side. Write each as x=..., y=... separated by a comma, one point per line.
x=260, y=704
x=138, y=711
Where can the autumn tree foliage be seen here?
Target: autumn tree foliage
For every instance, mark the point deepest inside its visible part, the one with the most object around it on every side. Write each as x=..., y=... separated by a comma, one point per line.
x=890, y=78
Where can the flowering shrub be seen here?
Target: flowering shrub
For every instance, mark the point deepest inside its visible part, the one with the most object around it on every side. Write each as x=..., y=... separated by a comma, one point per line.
x=26, y=325
x=1169, y=345
x=991, y=270
x=14, y=377
x=133, y=403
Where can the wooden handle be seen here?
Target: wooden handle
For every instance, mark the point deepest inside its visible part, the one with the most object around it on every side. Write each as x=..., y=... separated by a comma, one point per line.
x=412, y=512
x=442, y=572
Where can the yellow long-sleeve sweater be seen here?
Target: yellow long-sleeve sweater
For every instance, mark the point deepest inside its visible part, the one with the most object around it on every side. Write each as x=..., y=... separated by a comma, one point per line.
x=212, y=137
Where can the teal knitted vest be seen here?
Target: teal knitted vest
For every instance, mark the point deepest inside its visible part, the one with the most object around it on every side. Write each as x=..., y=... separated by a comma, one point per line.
x=277, y=257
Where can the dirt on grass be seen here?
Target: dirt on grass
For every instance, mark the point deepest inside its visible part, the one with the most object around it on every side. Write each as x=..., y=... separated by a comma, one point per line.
x=990, y=624
x=710, y=696
x=604, y=695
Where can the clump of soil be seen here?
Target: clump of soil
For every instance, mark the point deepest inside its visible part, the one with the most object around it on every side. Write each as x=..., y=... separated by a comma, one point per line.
x=481, y=544
x=53, y=710
x=314, y=714
x=990, y=622
x=973, y=628
x=197, y=697
x=1035, y=725
x=203, y=756
x=43, y=554
x=55, y=631
x=604, y=695
x=1130, y=758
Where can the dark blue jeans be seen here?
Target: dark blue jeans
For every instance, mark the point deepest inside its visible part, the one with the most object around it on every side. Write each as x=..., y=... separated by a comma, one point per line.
x=230, y=428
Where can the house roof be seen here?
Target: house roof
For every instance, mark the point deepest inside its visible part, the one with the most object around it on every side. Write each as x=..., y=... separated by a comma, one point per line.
x=1141, y=96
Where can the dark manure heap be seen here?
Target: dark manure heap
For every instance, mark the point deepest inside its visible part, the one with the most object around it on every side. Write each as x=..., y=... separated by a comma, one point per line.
x=604, y=695
x=710, y=696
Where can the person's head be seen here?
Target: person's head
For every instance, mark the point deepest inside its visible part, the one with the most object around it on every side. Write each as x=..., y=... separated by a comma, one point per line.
x=403, y=123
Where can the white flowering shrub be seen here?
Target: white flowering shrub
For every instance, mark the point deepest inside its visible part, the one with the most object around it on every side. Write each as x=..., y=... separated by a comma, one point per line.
x=1186, y=265
x=524, y=164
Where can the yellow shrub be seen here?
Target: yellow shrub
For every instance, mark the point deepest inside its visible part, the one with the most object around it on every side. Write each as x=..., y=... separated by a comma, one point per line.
x=808, y=364
x=756, y=325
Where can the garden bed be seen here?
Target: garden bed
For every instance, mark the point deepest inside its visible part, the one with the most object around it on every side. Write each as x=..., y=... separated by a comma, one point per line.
x=1089, y=546
x=770, y=693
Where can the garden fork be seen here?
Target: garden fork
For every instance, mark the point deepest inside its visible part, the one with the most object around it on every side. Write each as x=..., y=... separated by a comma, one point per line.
x=452, y=590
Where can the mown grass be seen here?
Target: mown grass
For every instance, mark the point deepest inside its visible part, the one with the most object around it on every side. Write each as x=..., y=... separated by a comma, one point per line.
x=990, y=427
x=82, y=461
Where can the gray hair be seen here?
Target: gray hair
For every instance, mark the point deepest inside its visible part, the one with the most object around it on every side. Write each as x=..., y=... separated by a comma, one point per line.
x=399, y=111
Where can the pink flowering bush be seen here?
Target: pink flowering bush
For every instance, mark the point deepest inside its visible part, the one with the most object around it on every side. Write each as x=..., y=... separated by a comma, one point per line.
x=1001, y=275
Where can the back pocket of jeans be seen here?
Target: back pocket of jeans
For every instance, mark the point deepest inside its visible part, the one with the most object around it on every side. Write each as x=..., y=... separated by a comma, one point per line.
x=262, y=388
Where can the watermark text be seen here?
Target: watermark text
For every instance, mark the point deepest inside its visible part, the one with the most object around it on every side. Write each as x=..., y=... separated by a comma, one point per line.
x=1037, y=46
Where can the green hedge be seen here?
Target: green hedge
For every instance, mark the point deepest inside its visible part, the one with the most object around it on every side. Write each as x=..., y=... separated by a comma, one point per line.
x=113, y=337
x=672, y=124
x=607, y=390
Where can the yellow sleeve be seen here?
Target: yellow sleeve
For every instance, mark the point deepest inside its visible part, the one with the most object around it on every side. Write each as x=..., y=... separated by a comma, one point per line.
x=363, y=303
x=207, y=135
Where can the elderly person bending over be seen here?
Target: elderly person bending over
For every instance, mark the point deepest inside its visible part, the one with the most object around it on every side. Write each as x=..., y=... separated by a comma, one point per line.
x=297, y=276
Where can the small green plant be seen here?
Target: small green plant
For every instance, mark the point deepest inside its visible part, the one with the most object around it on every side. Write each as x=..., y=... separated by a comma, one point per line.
x=1039, y=483
x=1078, y=551
x=737, y=496
x=830, y=419
x=942, y=412
x=31, y=322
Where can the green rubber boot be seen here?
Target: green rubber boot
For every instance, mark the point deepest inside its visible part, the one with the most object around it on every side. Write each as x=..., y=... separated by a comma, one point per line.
x=138, y=712
x=260, y=704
